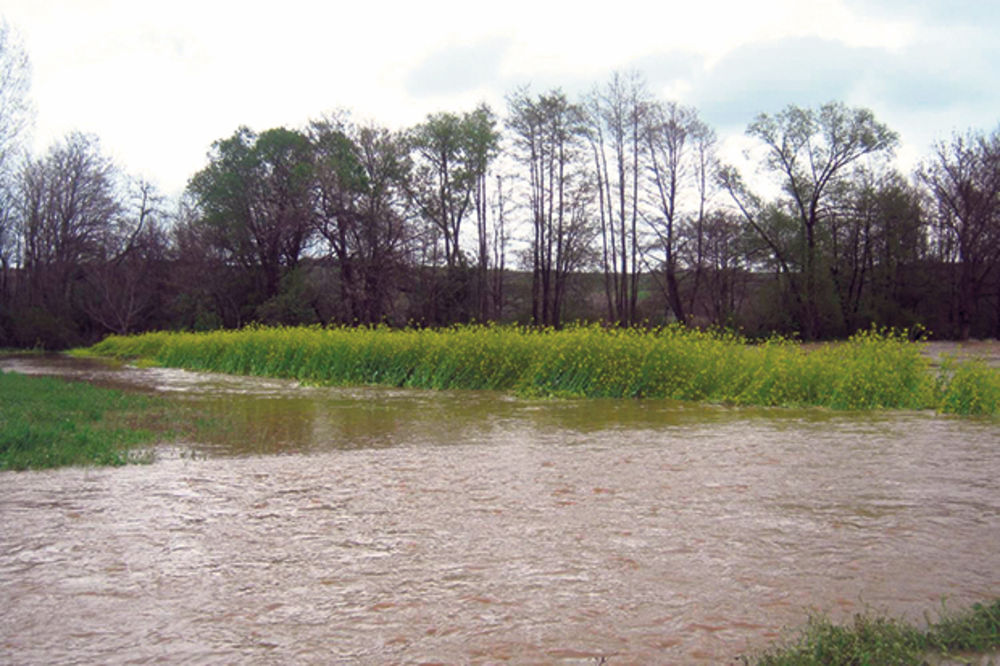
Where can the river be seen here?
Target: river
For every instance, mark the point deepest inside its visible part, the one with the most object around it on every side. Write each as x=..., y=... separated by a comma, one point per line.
x=383, y=526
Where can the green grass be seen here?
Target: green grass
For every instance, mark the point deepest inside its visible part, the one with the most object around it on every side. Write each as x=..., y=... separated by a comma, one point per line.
x=875, y=369
x=876, y=641
x=47, y=422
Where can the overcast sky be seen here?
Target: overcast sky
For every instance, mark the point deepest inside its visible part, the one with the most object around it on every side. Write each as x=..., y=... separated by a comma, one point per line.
x=159, y=81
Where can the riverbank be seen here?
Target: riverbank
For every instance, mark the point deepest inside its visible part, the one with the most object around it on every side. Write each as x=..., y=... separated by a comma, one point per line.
x=874, y=369
x=971, y=636
x=47, y=422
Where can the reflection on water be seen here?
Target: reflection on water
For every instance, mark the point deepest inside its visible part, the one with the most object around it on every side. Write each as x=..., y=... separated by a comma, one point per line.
x=412, y=527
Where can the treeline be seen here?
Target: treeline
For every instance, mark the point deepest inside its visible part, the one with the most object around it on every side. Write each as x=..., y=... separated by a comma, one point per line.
x=615, y=206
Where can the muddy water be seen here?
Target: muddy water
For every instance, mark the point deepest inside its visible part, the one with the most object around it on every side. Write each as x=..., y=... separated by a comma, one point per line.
x=384, y=526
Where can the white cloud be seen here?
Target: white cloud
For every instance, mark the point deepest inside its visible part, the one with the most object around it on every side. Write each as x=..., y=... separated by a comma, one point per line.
x=158, y=81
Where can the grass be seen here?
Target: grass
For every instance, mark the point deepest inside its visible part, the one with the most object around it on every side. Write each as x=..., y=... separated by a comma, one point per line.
x=876, y=641
x=875, y=369
x=47, y=422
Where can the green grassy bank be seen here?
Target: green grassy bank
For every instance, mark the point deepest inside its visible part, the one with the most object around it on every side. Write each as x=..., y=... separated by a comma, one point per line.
x=47, y=422
x=872, y=370
x=872, y=640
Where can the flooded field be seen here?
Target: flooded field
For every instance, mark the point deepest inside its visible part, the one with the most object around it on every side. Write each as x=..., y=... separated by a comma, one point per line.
x=394, y=526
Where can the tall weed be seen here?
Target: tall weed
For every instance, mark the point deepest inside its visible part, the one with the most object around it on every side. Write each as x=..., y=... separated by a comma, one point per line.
x=969, y=387
x=874, y=369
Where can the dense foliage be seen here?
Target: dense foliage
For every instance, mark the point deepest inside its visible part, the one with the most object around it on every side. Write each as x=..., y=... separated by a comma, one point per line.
x=872, y=370
x=613, y=207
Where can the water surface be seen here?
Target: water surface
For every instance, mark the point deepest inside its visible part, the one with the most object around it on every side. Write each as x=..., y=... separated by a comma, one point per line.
x=393, y=526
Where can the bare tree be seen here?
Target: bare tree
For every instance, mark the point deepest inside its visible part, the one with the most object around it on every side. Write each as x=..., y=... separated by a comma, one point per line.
x=615, y=119
x=15, y=105
x=70, y=200
x=875, y=235
x=723, y=265
x=547, y=136
x=15, y=120
x=498, y=246
x=207, y=289
x=963, y=176
x=482, y=148
x=124, y=279
x=681, y=172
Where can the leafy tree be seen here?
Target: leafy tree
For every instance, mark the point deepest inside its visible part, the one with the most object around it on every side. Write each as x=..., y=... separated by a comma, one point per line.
x=451, y=155
x=255, y=200
x=809, y=153
x=361, y=172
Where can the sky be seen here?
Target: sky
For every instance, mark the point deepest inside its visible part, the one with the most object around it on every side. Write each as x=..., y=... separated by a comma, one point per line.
x=159, y=81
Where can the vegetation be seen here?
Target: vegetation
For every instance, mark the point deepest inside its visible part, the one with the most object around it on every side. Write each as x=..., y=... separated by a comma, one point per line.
x=882, y=641
x=46, y=422
x=875, y=369
x=614, y=206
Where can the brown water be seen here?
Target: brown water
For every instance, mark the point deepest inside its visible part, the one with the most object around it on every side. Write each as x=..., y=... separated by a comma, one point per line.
x=386, y=526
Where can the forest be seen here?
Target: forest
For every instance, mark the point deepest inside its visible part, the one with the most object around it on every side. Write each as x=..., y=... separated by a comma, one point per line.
x=615, y=207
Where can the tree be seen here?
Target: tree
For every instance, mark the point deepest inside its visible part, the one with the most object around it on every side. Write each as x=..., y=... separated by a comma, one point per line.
x=615, y=120
x=498, y=246
x=718, y=251
x=255, y=200
x=361, y=172
x=681, y=165
x=482, y=148
x=126, y=279
x=963, y=176
x=452, y=154
x=547, y=136
x=206, y=290
x=15, y=106
x=876, y=237
x=15, y=119
x=808, y=152
x=69, y=202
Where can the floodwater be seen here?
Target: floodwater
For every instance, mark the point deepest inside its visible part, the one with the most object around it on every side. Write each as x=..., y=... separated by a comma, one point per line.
x=381, y=526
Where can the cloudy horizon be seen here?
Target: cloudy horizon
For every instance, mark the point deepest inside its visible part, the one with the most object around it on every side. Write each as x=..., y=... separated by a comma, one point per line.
x=158, y=82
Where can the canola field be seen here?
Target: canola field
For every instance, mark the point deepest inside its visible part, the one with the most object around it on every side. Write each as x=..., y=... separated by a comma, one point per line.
x=875, y=369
